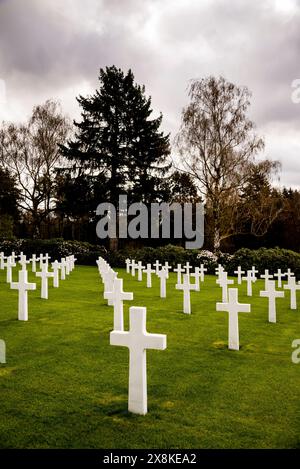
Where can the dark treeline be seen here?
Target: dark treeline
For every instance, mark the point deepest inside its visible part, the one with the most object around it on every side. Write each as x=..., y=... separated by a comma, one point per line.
x=54, y=173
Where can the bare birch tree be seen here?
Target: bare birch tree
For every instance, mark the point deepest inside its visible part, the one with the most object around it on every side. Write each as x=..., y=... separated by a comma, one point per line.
x=218, y=146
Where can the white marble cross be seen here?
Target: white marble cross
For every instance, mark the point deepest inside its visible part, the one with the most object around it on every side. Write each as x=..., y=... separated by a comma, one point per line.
x=163, y=275
x=233, y=307
x=140, y=269
x=138, y=340
x=117, y=296
x=128, y=265
x=167, y=267
x=67, y=265
x=239, y=273
x=34, y=260
x=73, y=259
x=41, y=260
x=23, y=262
x=2, y=260
x=44, y=275
x=249, y=279
x=186, y=287
x=56, y=266
x=293, y=287
x=280, y=276
x=9, y=265
x=197, y=276
x=223, y=281
x=267, y=277
x=148, y=272
x=157, y=266
x=202, y=272
x=254, y=271
x=47, y=259
x=23, y=286
x=133, y=267
x=63, y=268
x=179, y=271
x=289, y=274
x=109, y=278
x=271, y=293
x=187, y=267
x=219, y=269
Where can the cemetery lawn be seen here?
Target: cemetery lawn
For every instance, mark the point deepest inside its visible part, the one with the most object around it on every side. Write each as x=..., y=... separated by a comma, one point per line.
x=64, y=386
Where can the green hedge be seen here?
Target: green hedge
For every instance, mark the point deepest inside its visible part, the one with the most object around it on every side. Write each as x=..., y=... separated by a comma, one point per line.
x=263, y=258
x=87, y=254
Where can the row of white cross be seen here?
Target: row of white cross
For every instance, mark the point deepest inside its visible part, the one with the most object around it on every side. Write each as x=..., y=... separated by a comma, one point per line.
x=136, y=339
x=64, y=267
x=229, y=295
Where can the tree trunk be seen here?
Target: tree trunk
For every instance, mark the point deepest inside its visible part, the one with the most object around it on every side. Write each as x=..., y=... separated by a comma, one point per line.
x=216, y=228
x=113, y=244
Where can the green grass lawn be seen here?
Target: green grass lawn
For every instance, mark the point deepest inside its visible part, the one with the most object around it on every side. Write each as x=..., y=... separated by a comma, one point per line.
x=64, y=386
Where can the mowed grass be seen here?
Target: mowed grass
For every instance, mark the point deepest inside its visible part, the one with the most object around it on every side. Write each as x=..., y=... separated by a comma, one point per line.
x=64, y=386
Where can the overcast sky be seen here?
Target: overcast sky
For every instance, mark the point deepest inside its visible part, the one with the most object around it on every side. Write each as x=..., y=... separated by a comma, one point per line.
x=54, y=49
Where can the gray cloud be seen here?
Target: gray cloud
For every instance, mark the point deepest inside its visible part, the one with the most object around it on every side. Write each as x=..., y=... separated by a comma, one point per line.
x=54, y=49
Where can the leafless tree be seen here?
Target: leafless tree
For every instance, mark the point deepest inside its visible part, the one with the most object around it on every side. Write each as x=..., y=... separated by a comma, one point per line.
x=30, y=151
x=218, y=146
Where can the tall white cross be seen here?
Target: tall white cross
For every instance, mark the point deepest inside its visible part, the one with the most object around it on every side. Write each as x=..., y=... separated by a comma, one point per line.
x=67, y=265
x=167, y=267
x=202, y=272
x=34, y=260
x=197, y=277
x=73, y=259
x=23, y=262
x=289, y=274
x=254, y=271
x=109, y=278
x=271, y=293
x=117, y=296
x=148, y=272
x=44, y=275
x=239, y=273
x=187, y=267
x=133, y=267
x=163, y=275
x=9, y=265
x=249, y=279
x=47, y=259
x=56, y=266
x=186, y=287
x=63, y=268
x=179, y=271
x=279, y=276
x=140, y=269
x=157, y=266
x=41, y=260
x=23, y=286
x=2, y=260
x=293, y=287
x=223, y=281
x=267, y=277
x=128, y=265
x=138, y=340
x=233, y=307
